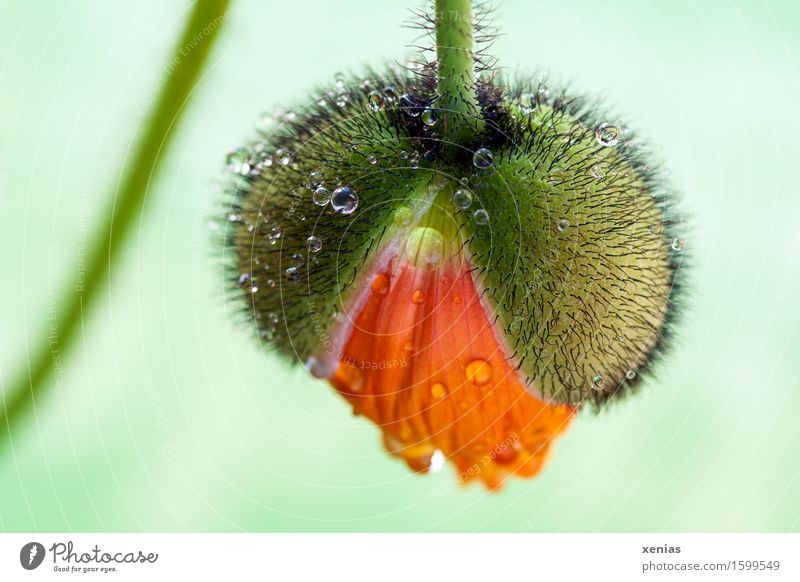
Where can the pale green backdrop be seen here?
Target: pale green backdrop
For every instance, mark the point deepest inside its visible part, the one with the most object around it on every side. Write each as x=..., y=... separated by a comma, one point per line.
x=169, y=418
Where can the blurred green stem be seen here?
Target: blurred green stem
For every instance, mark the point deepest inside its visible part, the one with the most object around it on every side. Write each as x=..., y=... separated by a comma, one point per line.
x=126, y=204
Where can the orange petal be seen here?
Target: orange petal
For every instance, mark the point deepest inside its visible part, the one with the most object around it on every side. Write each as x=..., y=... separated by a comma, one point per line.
x=420, y=358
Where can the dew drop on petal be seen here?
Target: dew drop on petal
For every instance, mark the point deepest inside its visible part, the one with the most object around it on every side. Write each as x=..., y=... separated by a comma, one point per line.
x=630, y=374
x=678, y=244
x=437, y=461
x=562, y=225
x=380, y=284
x=438, y=390
x=418, y=297
x=597, y=382
x=479, y=372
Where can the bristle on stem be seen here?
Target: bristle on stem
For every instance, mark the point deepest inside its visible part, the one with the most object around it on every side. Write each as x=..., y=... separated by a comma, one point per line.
x=460, y=118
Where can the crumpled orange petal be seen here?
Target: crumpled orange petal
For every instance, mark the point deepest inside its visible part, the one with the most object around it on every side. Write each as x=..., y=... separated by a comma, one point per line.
x=422, y=361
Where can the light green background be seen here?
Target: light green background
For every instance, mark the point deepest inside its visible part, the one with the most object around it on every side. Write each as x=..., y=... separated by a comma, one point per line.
x=169, y=417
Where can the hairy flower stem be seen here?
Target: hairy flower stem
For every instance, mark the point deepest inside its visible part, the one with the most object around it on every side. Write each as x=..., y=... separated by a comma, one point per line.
x=460, y=115
x=126, y=205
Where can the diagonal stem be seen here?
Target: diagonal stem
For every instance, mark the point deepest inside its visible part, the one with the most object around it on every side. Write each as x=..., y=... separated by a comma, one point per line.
x=126, y=205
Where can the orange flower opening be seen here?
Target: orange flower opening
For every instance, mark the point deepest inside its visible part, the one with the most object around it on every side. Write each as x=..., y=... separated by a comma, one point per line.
x=418, y=355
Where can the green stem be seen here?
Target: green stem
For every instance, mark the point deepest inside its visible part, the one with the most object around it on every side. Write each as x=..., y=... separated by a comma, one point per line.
x=460, y=117
x=126, y=204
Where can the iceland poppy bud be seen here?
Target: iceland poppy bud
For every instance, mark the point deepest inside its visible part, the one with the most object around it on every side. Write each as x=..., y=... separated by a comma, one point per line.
x=467, y=262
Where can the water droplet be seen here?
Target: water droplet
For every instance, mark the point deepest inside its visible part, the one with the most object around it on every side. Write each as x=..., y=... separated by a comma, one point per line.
x=293, y=274
x=282, y=157
x=253, y=290
x=314, y=244
x=341, y=100
x=410, y=105
x=373, y=160
x=418, y=297
x=562, y=225
x=437, y=461
x=270, y=283
x=238, y=161
x=350, y=376
x=607, y=135
x=289, y=116
x=266, y=121
x=457, y=299
x=344, y=200
x=481, y=217
x=678, y=244
x=338, y=80
x=321, y=196
x=597, y=382
x=483, y=158
x=408, y=346
x=244, y=278
x=429, y=117
x=403, y=216
x=390, y=93
x=380, y=284
x=425, y=246
x=375, y=101
x=544, y=93
x=479, y=372
x=274, y=234
x=598, y=171
x=462, y=199
x=652, y=229
x=438, y=390
x=557, y=176
x=315, y=180
x=630, y=374
x=527, y=102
